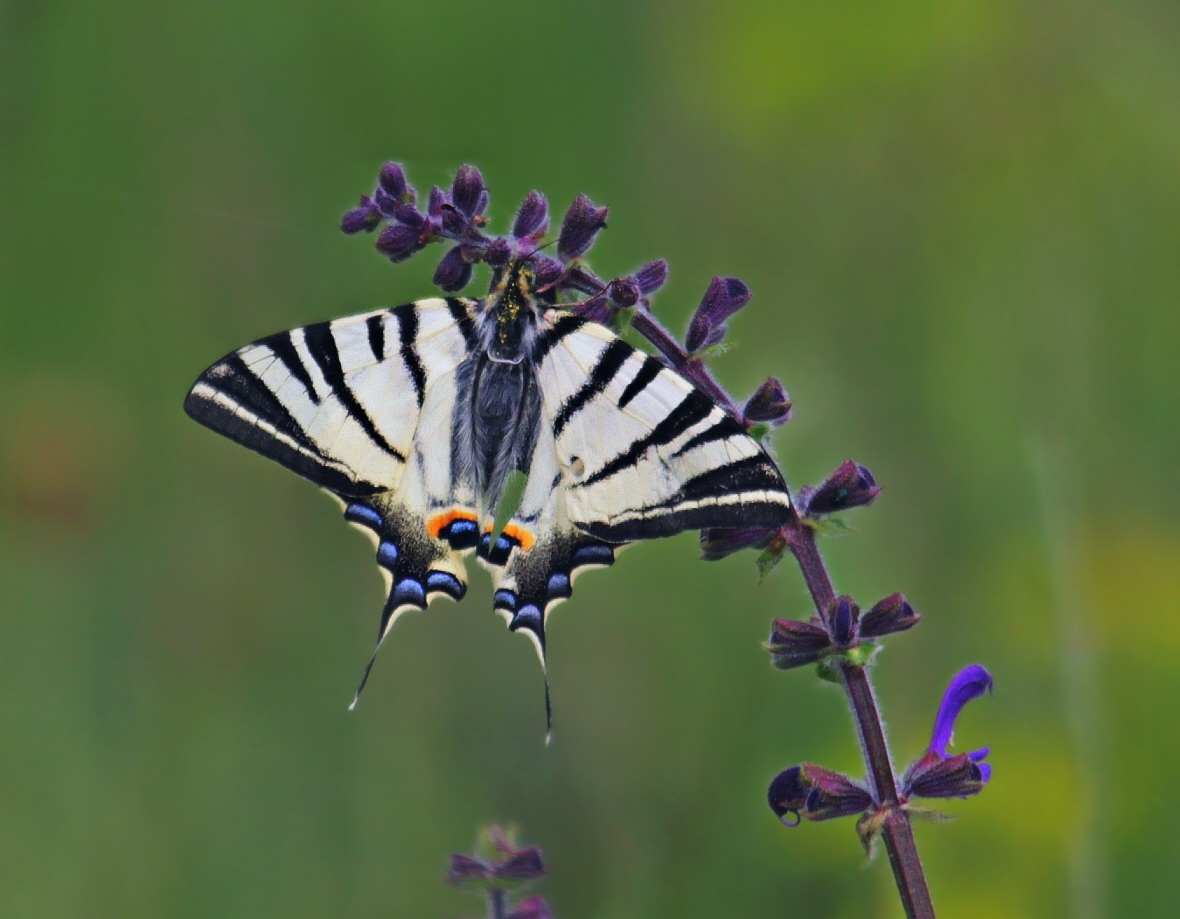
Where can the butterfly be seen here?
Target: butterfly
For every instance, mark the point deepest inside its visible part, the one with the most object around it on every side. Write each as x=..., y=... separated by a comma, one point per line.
x=416, y=417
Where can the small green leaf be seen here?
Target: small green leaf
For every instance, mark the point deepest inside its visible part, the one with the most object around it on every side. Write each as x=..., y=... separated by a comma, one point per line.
x=828, y=668
x=509, y=502
x=918, y=812
x=829, y=526
x=770, y=557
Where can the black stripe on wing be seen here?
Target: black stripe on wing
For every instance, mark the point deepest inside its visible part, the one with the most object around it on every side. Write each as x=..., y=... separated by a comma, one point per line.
x=321, y=344
x=407, y=321
x=694, y=408
x=613, y=357
x=756, y=493
x=230, y=399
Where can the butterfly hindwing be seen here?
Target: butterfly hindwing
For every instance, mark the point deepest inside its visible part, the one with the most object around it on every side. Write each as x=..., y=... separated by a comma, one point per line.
x=362, y=407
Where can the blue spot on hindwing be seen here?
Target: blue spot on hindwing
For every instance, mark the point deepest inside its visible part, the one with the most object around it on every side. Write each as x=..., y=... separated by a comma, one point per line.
x=364, y=515
x=409, y=591
x=559, y=585
x=387, y=555
x=528, y=617
x=447, y=583
x=504, y=599
x=594, y=554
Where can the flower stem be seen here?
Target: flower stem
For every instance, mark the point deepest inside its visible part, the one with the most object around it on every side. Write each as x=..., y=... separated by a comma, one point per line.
x=496, y=903
x=897, y=833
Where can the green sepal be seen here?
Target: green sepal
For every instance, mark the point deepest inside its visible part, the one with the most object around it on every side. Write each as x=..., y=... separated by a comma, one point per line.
x=929, y=814
x=768, y=559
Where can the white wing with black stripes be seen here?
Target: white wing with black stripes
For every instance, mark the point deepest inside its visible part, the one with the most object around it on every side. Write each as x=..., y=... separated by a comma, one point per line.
x=629, y=450
x=414, y=417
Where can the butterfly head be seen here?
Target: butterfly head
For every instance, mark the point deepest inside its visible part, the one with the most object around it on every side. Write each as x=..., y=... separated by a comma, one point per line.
x=511, y=310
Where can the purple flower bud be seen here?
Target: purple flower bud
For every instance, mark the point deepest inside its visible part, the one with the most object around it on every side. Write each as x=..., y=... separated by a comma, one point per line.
x=796, y=644
x=582, y=279
x=815, y=793
x=893, y=614
x=454, y=271
x=953, y=777
x=724, y=297
x=409, y=215
x=832, y=794
x=937, y=774
x=435, y=202
x=526, y=864
x=770, y=404
x=533, y=907
x=468, y=193
x=398, y=242
x=849, y=486
x=842, y=617
x=393, y=181
x=718, y=542
x=453, y=220
x=787, y=795
x=548, y=271
x=464, y=868
x=498, y=252
x=651, y=277
x=581, y=224
x=598, y=308
x=385, y=201
x=624, y=291
x=365, y=217
x=532, y=220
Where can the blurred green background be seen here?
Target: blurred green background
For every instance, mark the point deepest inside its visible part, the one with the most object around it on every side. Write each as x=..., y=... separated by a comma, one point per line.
x=960, y=221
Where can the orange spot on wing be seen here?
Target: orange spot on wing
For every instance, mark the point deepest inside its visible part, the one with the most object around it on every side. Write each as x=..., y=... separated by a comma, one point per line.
x=521, y=535
x=435, y=524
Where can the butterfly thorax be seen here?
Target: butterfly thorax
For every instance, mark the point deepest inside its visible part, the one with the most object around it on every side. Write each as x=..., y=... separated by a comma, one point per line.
x=497, y=433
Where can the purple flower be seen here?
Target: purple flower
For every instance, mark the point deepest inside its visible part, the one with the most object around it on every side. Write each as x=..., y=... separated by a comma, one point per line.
x=769, y=405
x=938, y=774
x=454, y=271
x=651, y=277
x=842, y=618
x=365, y=217
x=724, y=297
x=398, y=242
x=581, y=224
x=849, y=486
x=532, y=220
x=525, y=864
x=624, y=291
x=815, y=793
x=533, y=907
x=718, y=542
x=393, y=182
x=468, y=193
x=795, y=644
x=893, y=614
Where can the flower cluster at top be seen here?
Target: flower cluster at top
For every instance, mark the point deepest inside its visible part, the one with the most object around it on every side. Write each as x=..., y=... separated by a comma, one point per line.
x=502, y=870
x=457, y=216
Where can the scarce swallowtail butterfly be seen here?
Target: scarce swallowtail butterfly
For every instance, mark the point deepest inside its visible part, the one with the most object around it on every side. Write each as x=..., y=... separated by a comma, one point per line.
x=415, y=417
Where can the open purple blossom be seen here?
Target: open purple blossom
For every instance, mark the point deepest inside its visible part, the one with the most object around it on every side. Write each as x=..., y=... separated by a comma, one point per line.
x=938, y=774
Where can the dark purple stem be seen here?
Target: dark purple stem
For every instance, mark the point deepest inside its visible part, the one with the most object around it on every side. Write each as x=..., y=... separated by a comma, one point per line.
x=897, y=832
x=689, y=367
x=497, y=901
